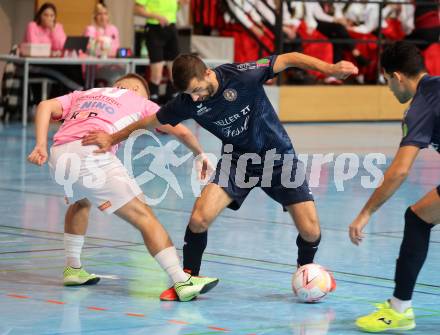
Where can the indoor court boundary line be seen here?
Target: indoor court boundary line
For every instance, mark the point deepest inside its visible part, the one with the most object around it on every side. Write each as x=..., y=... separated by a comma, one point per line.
x=126, y=243
x=221, y=215
x=25, y=297
x=134, y=244
x=56, y=249
x=212, y=329
x=341, y=280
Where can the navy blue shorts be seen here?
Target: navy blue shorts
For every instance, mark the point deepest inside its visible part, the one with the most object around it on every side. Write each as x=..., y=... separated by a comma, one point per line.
x=274, y=183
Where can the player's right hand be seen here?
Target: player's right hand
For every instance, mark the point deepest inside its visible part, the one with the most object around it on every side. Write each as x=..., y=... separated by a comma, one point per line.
x=38, y=156
x=100, y=138
x=356, y=228
x=343, y=70
x=204, y=168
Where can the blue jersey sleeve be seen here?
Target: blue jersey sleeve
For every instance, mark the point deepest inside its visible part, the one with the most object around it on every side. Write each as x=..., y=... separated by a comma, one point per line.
x=257, y=72
x=418, y=125
x=430, y=89
x=173, y=112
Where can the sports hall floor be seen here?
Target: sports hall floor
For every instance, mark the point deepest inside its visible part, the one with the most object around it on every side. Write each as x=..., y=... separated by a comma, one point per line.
x=252, y=251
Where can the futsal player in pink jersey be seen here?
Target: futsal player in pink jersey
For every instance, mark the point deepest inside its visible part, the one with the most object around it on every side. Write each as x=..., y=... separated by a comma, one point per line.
x=101, y=180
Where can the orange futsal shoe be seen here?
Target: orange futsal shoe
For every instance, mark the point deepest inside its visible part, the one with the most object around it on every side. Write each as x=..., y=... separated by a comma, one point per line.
x=169, y=295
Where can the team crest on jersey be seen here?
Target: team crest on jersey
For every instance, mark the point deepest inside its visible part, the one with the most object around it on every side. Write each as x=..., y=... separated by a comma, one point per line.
x=230, y=94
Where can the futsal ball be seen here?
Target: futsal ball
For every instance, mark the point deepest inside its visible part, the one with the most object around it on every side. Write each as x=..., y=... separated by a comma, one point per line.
x=312, y=282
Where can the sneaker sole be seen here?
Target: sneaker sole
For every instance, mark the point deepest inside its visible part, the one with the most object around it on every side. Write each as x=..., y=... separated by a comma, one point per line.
x=91, y=281
x=206, y=288
x=209, y=287
x=165, y=299
x=388, y=330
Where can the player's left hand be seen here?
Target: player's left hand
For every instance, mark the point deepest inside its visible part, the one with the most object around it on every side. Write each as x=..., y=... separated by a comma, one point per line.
x=38, y=156
x=356, y=227
x=343, y=70
x=204, y=168
x=100, y=138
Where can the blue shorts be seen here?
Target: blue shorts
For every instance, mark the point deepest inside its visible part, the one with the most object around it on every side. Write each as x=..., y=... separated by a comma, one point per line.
x=270, y=182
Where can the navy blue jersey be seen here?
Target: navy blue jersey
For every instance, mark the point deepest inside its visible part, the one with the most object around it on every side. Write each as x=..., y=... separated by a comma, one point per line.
x=239, y=113
x=421, y=124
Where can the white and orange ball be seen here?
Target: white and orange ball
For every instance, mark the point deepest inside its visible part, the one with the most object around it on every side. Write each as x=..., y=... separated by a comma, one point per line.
x=312, y=282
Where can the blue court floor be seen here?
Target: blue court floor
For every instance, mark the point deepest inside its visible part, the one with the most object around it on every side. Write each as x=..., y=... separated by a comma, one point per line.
x=252, y=250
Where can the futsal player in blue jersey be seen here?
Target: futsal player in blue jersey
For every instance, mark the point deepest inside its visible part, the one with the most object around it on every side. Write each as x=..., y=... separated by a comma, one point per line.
x=230, y=102
x=406, y=77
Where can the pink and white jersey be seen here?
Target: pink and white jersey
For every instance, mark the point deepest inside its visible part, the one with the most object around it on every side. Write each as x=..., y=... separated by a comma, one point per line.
x=109, y=109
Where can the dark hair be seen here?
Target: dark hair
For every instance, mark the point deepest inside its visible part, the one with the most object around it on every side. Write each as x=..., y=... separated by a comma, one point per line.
x=402, y=57
x=185, y=68
x=43, y=7
x=134, y=76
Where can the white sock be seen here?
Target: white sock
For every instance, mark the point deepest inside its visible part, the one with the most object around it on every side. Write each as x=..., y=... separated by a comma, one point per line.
x=72, y=247
x=169, y=261
x=400, y=305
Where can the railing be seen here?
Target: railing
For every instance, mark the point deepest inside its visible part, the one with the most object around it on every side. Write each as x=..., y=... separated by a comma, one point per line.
x=279, y=36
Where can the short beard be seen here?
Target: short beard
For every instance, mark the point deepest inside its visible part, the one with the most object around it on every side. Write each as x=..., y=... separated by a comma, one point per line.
x=210, y=89
x=404, y=98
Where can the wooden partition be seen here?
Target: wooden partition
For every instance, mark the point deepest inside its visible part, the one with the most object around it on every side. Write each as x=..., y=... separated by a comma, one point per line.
x=75, y=15
x=338, y=103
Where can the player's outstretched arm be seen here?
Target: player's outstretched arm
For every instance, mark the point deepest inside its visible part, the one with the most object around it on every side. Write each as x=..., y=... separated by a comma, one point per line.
x=105, y=141
x=340, y=70
x=184, y=135
x=393, y=178
x=45, y=111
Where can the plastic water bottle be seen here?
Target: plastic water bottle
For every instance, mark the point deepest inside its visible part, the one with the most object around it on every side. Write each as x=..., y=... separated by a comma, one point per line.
x=144, y=50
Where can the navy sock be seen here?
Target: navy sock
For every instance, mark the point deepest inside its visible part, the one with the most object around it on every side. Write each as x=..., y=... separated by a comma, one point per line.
x=413, y=252
x=306, y=250
x=195, y=244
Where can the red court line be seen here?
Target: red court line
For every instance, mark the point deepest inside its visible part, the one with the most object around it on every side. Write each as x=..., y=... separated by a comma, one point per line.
x=135, y=314
x=178, y=322
x=220, y=329
x=56, y=302
x=93, y=308
x=18, y=296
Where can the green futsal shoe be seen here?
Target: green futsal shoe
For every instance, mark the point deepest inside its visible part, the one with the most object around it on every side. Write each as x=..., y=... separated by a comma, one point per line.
x=194, y=286
x=386, y=318
x=76, y=277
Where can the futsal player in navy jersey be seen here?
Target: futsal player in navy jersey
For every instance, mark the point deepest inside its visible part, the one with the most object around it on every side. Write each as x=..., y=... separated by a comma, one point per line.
x=230, y=102
x=406, y=77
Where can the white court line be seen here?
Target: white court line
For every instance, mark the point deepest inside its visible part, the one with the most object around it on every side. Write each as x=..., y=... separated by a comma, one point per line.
x=107, y=276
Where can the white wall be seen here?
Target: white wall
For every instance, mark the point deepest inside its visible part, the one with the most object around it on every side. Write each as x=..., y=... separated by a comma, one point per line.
x=121, y=15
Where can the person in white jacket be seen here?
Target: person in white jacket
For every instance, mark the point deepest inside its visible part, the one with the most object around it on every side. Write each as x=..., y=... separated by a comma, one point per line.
x=328, y=19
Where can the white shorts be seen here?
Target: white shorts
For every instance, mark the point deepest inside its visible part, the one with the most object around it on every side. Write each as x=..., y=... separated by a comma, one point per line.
x=101, y=178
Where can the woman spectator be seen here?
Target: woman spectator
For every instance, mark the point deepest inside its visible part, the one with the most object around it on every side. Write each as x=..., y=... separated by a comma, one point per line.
x=104, y=37
x=104, y=42
x=45, y=29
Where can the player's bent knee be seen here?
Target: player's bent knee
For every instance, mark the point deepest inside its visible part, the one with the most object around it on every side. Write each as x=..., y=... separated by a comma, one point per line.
x=83, y=204
x=311, y=233
x=198, y=222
